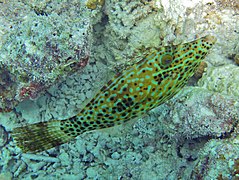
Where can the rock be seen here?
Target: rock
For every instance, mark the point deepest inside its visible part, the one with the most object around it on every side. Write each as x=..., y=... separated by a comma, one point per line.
x=198, y=112
x=41, y=48
x=115, y=155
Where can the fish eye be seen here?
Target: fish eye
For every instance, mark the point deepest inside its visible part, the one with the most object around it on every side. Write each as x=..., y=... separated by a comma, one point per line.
x=166, y=60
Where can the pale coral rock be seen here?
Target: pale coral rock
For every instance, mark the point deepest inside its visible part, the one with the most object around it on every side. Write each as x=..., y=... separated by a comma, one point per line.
x=91, y=172
x=40, y=46
x=197, y=113
x=222, y=79
x=6, y=176
x=218, y=159
x=115, y=155
x=65, y=159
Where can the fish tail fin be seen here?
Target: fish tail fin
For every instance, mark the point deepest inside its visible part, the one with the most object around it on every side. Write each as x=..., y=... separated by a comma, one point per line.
x=41, y=136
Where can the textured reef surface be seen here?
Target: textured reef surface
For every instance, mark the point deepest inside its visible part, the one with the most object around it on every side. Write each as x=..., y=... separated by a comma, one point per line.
x=55, y=55
x=40, y=46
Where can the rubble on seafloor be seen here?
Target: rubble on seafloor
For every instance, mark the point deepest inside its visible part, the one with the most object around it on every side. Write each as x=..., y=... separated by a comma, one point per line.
x=192, y=136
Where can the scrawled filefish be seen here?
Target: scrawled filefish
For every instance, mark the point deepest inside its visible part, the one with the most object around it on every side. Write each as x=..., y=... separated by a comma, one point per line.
x=160, y=74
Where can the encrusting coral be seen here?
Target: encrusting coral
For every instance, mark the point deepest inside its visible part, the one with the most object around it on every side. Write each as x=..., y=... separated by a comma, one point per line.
x=39, y=47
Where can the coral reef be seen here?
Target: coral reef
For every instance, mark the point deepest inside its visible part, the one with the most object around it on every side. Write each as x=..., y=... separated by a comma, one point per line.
x=217, y=160
x=128, y=151
x=198, y=113
x=66, y=101
x=40, y=48
x=222, y=79
x=125, y=26
x=8, y=87
x=150, y=147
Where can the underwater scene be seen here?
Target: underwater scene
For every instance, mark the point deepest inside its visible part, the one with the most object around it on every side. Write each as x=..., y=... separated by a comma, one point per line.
x=119, y=90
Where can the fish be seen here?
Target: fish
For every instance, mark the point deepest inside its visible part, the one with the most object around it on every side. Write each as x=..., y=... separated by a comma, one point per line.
x=158, y=76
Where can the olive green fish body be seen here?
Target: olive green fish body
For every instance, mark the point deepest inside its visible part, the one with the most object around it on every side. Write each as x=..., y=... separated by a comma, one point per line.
x=161, y=74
